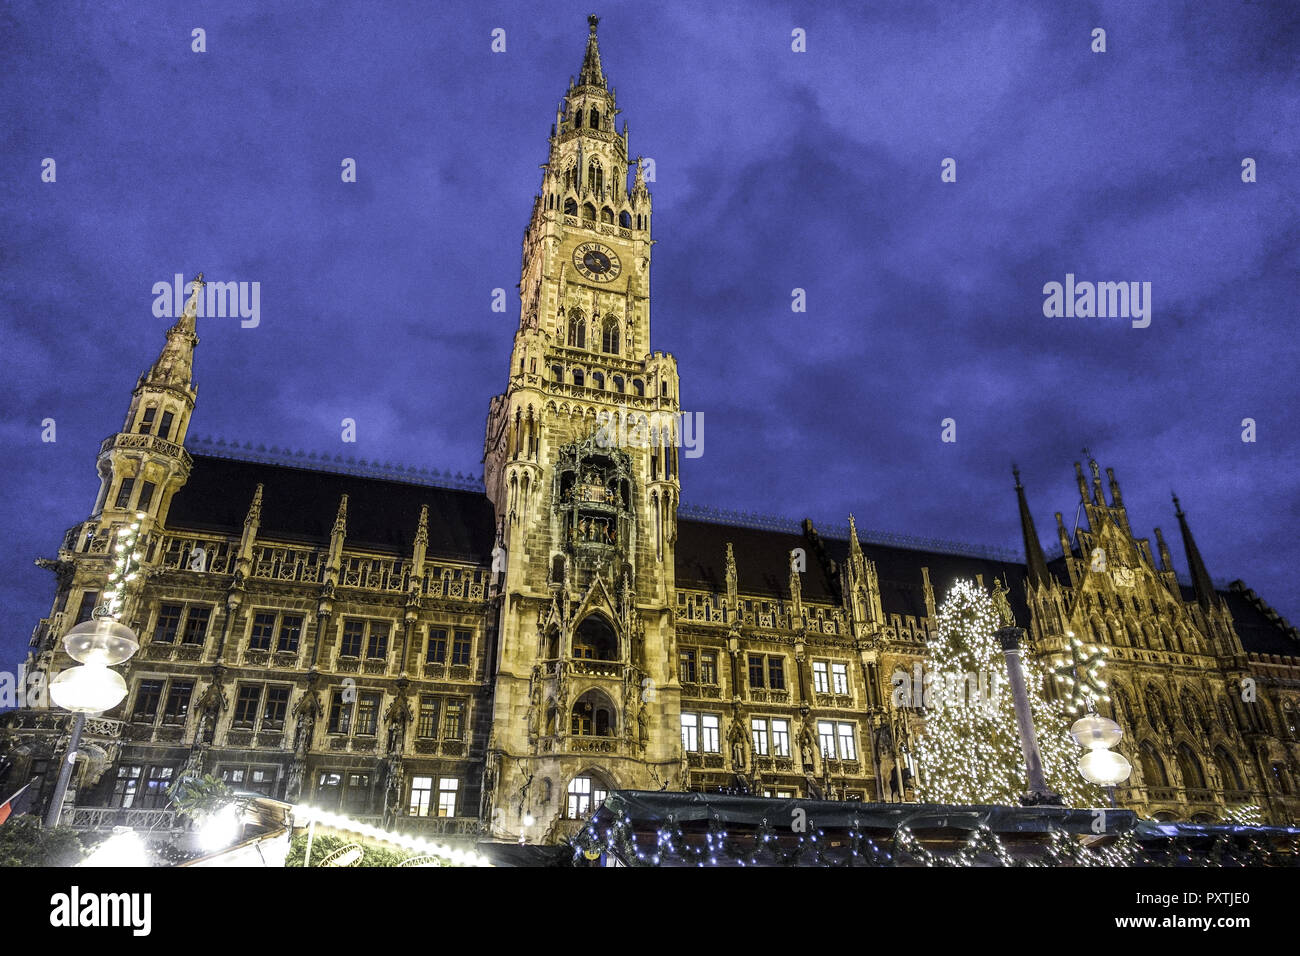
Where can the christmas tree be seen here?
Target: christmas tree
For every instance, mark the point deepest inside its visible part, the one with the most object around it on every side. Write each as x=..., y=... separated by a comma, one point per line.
x=969, y=751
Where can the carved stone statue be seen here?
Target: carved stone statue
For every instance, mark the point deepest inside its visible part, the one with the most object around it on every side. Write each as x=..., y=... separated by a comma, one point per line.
x=1001, y=606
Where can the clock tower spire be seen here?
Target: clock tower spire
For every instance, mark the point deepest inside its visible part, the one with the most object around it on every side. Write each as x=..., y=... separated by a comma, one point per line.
x=580, y=462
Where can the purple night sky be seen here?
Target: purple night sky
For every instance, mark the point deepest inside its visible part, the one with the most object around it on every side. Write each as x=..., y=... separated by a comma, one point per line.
x=774, y=170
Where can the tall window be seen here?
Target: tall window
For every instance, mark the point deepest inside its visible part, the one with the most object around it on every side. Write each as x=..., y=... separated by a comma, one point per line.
x=427, y=724
x=277, y=706
x=196, y=625
x=146, y=422
x=147, y=697
x=708, y=667
x=247, y=699
x=821, y=680
x=353, y=634
x=290, y=631
x=87, y=609
x=367, y=714
x=178, y=701
x=460, y=647
x=146, y=496
x=776, y=673
x=165, y=427
x=436, y=652
x=709, y=733
x=609, y=336
x=377, y=645
x=690, y=732
x=447, y=787
x=687, y=669
x=126, y=784
x=156, y=782
x=840, y=678
x=780, y=738
x=756, y=671
x=340, y=721
x=123, y=499
x=259, y=638
x=169, y=623
x=421, y=796
x=758, y=728
x=453, y=725
x=577, y=330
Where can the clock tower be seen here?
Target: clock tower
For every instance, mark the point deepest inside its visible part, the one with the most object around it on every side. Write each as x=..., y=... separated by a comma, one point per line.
x=581, y=465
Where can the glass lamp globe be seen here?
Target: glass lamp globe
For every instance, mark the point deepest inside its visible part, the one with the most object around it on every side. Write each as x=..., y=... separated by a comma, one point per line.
x=102, y=641
x=1104, y=767
x=88, y=689
x=1096, y=732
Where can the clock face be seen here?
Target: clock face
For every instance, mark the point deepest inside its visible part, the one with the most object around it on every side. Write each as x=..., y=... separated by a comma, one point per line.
x=596, y=261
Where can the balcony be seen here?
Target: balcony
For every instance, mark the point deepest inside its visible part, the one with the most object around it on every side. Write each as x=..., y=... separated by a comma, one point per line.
x=105, y=818
x=148, y=443
x=594, y=668
x=427, y=826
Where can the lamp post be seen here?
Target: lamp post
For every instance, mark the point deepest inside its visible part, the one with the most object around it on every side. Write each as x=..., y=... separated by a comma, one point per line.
x=99, y=644
x=1101, y=765
x=90, y=687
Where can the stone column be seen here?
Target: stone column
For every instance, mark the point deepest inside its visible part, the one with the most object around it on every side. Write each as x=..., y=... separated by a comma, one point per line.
x=1038, y=793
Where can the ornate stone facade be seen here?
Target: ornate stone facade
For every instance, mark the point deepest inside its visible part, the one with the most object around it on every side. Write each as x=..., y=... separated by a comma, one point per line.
x=462, y=662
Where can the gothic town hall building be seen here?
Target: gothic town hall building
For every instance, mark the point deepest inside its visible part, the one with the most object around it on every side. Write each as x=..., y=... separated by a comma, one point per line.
x=489, y=660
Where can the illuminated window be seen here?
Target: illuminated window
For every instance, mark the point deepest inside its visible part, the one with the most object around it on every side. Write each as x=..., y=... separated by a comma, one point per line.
x=840, y=678
x=421, y=796
x=427, y=725
x=708, y=668
x=758, y=728
x=447, y=787
x=690, y=732
x=687, y=658
x=821, y=682
x=709, y=733
x=246, y=702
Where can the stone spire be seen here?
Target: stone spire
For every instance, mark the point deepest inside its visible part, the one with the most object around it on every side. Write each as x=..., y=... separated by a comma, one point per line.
x=1205, y=595
x=1034, y=558
x=591, y=74
x=175, y=364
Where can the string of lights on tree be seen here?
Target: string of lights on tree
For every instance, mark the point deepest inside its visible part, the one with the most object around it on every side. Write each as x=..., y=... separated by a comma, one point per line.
x=1078, y=676
x=969, y=751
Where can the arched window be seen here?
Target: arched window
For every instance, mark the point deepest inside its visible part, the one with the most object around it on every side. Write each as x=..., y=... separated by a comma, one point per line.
x=1288, y=719
x=1153, y=769
x=607, y=216
x=609, y=336
x=570, y=178
x=1227, y=769
x=586, y=794
x=595, y=640
x=594, y=121
x=577, y=330
x=577, y=117
x=618, y=383
x=638, y=386
x=597, y=380
x=592, y=716
x=557, y=373
x=1190, y=768
x=588, y=211
x=596, y=178
x=625, y=220
x=579, y=377
x=570, y=207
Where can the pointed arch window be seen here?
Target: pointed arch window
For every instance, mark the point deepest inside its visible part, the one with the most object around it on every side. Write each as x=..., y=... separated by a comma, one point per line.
x=1153, y=769
x=165, y=426
x=625, y=220
x=570, y=207
x=1227, y=769
x=596, y=178
x=588, y=211
x=607, y=216
x=594, y=120
x=609, y=336
x=1190, y=767
x=577, y=330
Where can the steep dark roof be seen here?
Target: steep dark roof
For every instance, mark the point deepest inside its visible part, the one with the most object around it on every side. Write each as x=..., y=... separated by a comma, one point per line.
x=763, y=561
x=299, y=505
x=1259, y=634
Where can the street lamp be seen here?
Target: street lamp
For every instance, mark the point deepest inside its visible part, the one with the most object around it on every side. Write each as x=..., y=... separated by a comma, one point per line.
x=1100, y=764
x=97, y=645
x=90, y=687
